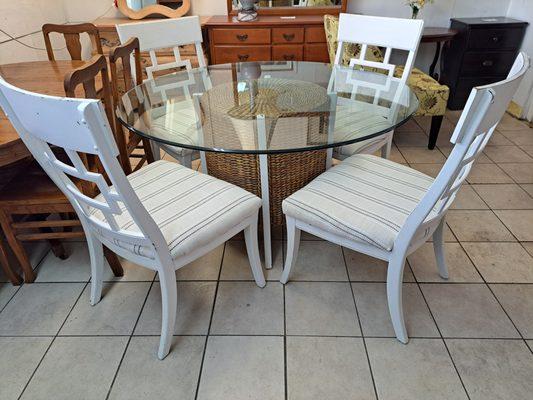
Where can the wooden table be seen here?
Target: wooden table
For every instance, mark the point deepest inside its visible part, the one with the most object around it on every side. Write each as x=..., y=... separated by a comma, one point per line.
x=45, y=77
x=438, y=36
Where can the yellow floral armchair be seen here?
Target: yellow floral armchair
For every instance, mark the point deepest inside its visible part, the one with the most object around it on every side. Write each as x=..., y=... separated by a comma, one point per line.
x=433, y=96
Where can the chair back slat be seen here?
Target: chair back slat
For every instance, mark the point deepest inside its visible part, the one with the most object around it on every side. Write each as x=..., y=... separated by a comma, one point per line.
x=80, y=126
x=71, y=34
x=484, y=110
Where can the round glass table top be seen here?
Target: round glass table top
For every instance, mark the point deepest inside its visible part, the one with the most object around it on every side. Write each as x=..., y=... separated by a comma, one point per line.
x=266, y=107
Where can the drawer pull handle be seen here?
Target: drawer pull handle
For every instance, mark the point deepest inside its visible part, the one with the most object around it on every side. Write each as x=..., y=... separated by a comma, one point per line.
x=288, y=36
x=242, y=37
x=243, y=57
x=495, y=39
x=488, y=63
x=288, y=57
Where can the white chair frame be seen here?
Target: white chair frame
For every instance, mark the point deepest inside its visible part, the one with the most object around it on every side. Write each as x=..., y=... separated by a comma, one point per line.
x=389, y=33
x=167, y=34
x=81, y=126
x=484, y=110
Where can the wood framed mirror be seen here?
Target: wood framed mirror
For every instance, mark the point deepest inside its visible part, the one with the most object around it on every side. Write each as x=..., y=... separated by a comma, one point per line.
x=139, y=9
x=293, y=7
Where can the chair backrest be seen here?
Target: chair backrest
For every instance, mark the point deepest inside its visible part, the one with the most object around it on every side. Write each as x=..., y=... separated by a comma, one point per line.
x=388, y=33
x=94, y=78
x=483, y=111
x=71, y=34
x=165, y=34
x=76, y=126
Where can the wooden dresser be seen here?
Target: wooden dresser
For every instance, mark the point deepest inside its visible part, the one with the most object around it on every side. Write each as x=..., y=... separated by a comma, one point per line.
x=482, y=52
x=270, y=37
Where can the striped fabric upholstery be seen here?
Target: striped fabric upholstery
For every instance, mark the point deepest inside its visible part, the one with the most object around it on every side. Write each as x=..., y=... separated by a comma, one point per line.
x=365, y=198
x=190, y=208
x=349, y=124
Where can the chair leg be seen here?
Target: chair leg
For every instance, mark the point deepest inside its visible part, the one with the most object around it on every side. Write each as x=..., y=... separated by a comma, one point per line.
x=17, y=248
x=114, y=262
x=436, y=123
x=438, y=246
x=293, y=243
x=385, y=150
x=394, y=296
x=96, y=253
x=13, y=277
x=156, y=150
x=169, y=302
x=252, y=247
x=186, y=161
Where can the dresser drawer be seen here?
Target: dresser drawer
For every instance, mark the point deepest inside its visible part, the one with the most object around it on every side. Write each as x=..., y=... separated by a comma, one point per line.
x=496, y=38
x=241, y=36
x=316, y=52
x=288, y=52
x=487, y=63
x=463, y=90
x=228, y=54
x=315, y=34
x=287, y=35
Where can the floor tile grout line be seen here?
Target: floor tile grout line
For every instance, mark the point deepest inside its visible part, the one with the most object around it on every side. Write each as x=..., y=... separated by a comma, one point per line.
x=210, y=323
x=442, y=338
x=129, y=339
x=52, y=341
x=360, y=327
x=285, y=365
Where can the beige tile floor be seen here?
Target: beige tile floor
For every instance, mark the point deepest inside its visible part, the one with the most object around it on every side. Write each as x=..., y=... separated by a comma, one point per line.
x=325, y=335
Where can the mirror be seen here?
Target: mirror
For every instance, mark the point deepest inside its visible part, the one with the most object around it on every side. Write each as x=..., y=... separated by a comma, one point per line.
x=139, y=9
x=268, y=4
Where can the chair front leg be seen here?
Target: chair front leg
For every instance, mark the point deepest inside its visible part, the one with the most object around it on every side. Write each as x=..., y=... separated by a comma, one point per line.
x=293, y=244
x=394, y=295
x=96, y=253
x=386, y=149
x=169, y=305
x=252, y=247
x=436, y=123
x=13, y=277
x=438, y=246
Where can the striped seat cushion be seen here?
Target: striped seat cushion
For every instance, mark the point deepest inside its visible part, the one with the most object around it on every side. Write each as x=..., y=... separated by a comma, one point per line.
x=365, y=198
x=190, y=208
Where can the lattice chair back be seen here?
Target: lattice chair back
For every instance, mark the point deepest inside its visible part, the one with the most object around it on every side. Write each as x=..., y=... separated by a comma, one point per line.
x=484, y=110
x=387, y=33
x=166, y=34
x=81, y=126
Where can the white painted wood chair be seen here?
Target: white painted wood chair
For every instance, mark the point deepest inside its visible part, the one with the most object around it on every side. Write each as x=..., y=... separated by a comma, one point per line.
x=169, y=34
x=388, y=33
x=386, y=210
x=161, y=217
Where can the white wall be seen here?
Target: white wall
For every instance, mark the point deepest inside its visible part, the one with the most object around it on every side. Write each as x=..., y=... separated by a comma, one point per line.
x=523, y=10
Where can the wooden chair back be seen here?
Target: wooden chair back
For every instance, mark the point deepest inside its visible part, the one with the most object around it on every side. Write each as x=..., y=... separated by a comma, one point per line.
x=388, y=33
x=71, y=34
x=165, y=34
x=90, y=76
x=81, y=126
x=484, y=110
x=125, y=65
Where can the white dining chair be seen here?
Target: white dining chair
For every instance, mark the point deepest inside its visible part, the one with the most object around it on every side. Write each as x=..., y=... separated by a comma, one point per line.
x=162, y=217
x=387, y=210
x=163, y=35
x=390, y=34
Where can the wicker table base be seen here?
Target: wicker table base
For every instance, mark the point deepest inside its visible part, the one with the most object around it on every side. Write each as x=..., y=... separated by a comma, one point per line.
x=287, y=173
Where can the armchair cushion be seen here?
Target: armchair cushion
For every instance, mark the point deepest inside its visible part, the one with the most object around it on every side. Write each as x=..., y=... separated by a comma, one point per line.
x=433, y=96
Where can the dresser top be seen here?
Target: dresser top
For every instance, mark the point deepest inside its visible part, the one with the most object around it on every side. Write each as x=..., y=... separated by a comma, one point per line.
x=489, y=21
x=266, y=20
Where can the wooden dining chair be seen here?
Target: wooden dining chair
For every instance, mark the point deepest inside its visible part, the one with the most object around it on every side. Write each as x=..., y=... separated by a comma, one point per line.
x=72, y=33
x=31, y=197
x=169, y=34
x=122, y=81
x=369, y=33
x=162, y=217
x=386, y=210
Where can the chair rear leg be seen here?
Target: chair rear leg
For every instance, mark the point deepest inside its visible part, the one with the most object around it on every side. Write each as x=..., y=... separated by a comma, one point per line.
x=436, y=123
x=293, y=244
x=156, y=151
x=96, y=252
x=13, y=277
x=438, y=246
x=394, y=296
x=252, y=247
x=386, y=149
x=169, y=304
x=113, y=262
x=17, y=248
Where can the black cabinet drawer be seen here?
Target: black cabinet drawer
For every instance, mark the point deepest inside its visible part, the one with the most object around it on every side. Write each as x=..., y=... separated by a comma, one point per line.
x=487, y=63
x=463, y=89
x=495, y=38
